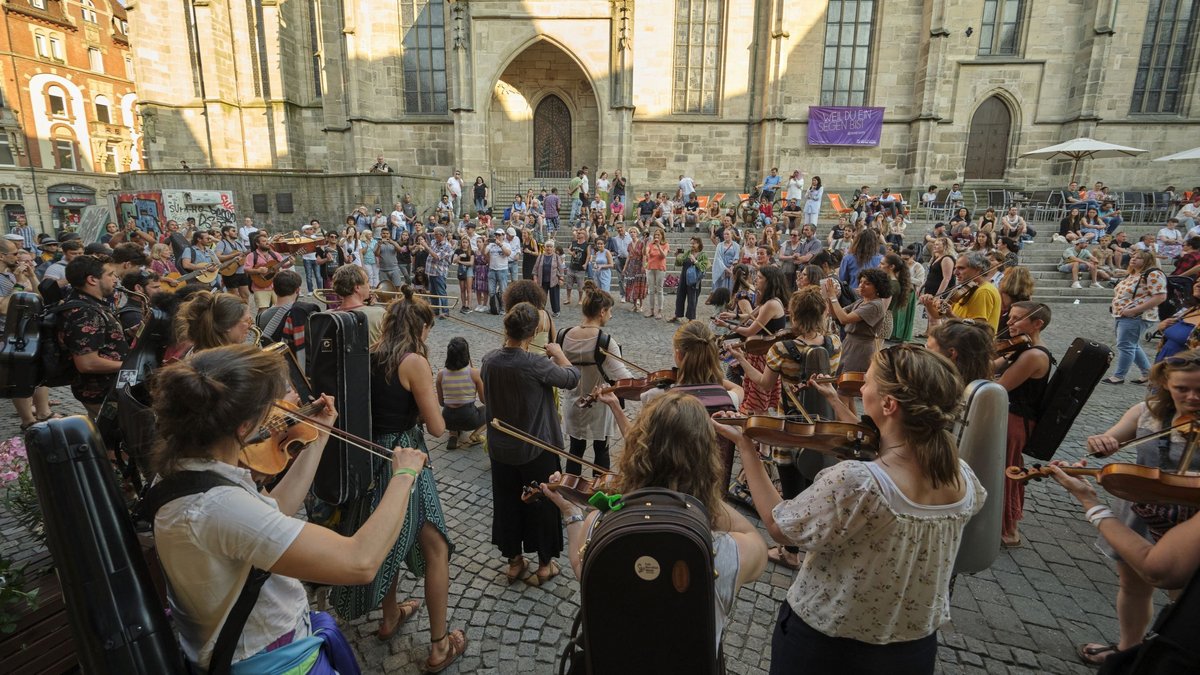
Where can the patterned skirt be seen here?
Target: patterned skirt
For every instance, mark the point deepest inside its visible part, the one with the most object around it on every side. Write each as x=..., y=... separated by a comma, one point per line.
x=635, y=280
x=759, y=399
x=424, y=506
x=481, y=274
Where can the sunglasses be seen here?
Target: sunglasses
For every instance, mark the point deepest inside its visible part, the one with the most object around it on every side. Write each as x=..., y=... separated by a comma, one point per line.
x=1182, y=360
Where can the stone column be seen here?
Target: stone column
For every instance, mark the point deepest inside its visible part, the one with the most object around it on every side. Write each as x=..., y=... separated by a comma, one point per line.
x=929, y=72
x=618, y=152
x=462, y=85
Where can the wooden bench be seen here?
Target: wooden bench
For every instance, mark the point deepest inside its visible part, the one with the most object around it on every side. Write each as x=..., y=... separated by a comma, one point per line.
x=42, y=642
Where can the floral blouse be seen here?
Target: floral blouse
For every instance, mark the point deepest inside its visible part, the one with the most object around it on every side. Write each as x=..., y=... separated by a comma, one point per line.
x=1138, y=288
x=877, y=565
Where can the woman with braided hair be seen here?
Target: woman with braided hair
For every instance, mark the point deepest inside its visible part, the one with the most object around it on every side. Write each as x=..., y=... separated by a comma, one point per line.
x=865, y=525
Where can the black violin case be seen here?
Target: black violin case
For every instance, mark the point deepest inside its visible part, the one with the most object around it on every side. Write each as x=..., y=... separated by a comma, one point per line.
x=339, y=364
x=116, y=614
x=20, y=362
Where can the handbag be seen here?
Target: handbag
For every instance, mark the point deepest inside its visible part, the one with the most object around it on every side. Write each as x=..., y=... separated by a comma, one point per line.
x=671, y=281
x=692, y=276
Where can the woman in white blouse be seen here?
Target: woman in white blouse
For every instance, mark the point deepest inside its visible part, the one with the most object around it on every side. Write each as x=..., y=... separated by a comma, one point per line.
x=206, y=407
x=880, y=537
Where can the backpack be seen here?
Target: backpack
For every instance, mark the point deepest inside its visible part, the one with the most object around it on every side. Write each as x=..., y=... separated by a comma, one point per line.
x=58, y=368
x=1170, y=645
x=603, y=340
x=1179, y=289
x=495, y=304
x=646, y=564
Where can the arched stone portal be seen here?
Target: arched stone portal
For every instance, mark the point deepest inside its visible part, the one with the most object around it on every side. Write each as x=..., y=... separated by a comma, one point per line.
x=987, y=144
x=545, y=79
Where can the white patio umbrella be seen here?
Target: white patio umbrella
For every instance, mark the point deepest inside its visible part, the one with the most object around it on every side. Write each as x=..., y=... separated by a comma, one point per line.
x=1083, y=148
x=1194, y=153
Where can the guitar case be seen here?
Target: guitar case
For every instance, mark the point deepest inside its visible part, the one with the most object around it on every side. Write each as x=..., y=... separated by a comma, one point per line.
x=1073, y=382
x=339, y=364
x=115, y=612
x=981, y=434
x=20, y=363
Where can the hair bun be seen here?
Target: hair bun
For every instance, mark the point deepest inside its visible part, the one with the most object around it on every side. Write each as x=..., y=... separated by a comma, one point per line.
x=407, y=291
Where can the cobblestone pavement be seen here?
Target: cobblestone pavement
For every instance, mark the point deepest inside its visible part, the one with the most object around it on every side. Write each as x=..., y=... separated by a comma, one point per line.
x=1024, y=615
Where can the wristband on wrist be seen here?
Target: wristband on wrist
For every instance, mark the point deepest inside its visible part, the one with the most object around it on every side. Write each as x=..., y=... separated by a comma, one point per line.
x=1094, y=510
x=1101, y=515
x=572, y=519
x=405, y=472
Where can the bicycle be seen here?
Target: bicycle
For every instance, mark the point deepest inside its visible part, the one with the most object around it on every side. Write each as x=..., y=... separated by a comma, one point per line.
x=747, y=209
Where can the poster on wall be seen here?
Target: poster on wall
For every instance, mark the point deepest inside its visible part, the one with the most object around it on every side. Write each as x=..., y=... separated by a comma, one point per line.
x=844, y=125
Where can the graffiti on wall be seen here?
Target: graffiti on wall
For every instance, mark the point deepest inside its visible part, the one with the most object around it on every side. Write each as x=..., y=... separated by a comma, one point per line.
x=212, y=209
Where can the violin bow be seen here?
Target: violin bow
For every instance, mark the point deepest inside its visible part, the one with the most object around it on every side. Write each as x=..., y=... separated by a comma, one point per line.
x=625, y=361
x=1001, y=334
x=960, y=284
x=342, y=435
x=791, y=394
x=1148, y=437
x=487, y=330
x=502, y=426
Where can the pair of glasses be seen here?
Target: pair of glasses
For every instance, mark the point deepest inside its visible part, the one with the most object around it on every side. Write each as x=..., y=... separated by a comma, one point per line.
x=1182, y=360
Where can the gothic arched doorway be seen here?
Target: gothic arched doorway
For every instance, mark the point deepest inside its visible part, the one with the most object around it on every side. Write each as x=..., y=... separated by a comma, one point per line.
x=551, y=137
x=987, y=145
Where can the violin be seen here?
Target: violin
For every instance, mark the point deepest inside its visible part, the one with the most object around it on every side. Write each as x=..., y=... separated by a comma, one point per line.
x=576, y=489
x=844, y=440
x=631, y=388
x=1131, y=482
x=847, y=384
x=759, y=345
x=280, y=439
x=1014, y=345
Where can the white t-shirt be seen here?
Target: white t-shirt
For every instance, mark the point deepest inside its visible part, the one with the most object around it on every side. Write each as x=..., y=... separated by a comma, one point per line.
x=244, y=234
x=496, y=259
x=602, y=185
x=207, y=544
x=795, y=188
x=687, y=185
x=454, y=187
x=397, y=219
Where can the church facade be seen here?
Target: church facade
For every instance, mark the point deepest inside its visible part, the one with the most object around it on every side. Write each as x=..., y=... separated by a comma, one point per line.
x=717, y=89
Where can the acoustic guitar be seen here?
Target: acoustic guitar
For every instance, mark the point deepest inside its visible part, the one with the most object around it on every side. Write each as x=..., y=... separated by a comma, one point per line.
x=273, y=268
x=229, y=267
x=205, y=275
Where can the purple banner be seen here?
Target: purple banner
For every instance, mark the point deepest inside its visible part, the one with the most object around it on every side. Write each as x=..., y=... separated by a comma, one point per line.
x=844, y=125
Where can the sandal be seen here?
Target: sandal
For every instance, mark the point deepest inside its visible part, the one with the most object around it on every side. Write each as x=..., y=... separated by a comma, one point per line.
x=25, y=425
x=537, y=579
x=516, y=570
x=1015, y=542
x=408, y=608
x=474, y=439
x=781, y=556
x=1113, y=380
x=458, y=645
x=1094, y=653
x=1141, y=380
x=51, y=416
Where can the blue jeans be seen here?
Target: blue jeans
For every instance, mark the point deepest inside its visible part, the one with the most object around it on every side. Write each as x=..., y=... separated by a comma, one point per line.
x=796, y=647
x=312, y=274
x=576, y=206
x=497, y=281
x=480, y=204
x=514, y=270
x=437, y=286
x=1113, y=223
x=1129, y=346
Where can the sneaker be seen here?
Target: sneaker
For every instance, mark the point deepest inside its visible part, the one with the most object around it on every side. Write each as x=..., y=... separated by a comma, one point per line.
x=1076, y=285
x=1058, y=238
x=1097, y=284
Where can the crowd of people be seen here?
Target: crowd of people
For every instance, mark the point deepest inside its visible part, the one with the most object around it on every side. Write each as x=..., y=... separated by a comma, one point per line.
x=847, y=302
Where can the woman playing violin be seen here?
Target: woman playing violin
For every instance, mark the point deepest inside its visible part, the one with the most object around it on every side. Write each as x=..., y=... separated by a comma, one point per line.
x=672, y=445
x=519, y=389
x=206, y=407
x=863, y=320
x=697, y=369
x=787, y=361
x=1174, y=397
x=863, y=525
x=1178, y=330
x=768, y=317
x=402, y=397
x=1024, y=372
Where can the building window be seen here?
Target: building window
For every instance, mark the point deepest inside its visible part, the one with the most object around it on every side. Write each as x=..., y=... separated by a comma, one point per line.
x=424, y=58
x=57, y=102
x=40, y=4
x=95, y=60
x=128, y=68
x=103, y=111
x=1162, y=68
x=64, y=153
x=315, y=44
x=56, y=51
x=89, y=11
x=847, y=52
x=40, y=43
x=258, y=49
x=10, y=193
x=697, y=56
x=1000, y=33
x=6, y=152
x=110, y=158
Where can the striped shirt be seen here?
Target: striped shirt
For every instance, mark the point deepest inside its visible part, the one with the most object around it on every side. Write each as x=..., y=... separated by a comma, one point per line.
x=457, y=387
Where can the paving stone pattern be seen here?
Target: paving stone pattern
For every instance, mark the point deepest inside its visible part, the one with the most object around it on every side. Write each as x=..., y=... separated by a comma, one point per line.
x=1024, y=615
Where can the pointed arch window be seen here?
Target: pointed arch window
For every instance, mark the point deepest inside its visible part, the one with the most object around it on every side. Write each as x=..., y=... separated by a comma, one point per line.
x=424, y=56
x=846, y=70
x=697, y=70
x=1163, y=65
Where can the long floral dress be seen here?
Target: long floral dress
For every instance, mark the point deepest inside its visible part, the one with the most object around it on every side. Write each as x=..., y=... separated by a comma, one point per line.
x=635, y=273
